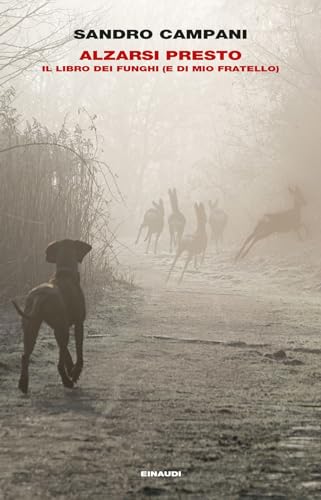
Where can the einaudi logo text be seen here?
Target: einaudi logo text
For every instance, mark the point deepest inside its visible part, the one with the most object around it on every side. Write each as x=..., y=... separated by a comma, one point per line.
x=161, y=473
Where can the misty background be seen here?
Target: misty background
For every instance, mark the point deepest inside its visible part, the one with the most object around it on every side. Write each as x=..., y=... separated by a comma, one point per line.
x=241, y=138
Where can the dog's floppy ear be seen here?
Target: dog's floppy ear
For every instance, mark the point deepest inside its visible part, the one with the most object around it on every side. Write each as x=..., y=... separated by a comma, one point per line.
x=51, y=252
x=82, y=249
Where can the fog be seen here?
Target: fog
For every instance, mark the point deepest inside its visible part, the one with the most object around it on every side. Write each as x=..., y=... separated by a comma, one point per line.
x=241, y=138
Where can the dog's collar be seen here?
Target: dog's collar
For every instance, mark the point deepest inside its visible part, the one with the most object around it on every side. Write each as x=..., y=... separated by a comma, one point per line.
x=66, y=271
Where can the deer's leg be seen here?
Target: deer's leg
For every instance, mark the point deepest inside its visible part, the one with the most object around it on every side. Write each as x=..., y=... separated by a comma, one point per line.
x=178, y=254
x=30, y=333
x=170, y=240
x=62, y=337
x=174, y=240
x=217, y=239
x=148, y=238
x=156, y=242
x=139, y=233
x=203, y=256
x=247, y=241
x=306, y=232
x=221, y=241
x=189, y=258
x=255, y=240
x=79, y=338
x=195, y=261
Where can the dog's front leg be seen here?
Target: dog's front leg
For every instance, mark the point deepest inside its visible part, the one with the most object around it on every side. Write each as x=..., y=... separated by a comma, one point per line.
x=62, y=338
x=79, y=338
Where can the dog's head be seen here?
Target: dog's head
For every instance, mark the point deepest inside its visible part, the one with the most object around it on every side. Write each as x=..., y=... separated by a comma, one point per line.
x=67, y=253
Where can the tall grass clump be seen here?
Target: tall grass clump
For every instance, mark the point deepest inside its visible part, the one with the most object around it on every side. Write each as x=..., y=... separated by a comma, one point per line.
x=52, y=186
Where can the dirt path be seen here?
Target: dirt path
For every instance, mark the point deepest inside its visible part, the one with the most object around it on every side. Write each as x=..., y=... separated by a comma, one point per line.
x=177, y=378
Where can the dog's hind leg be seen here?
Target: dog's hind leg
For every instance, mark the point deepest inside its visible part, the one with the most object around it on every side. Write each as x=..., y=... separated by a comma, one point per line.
x=62, y=337
x=30, y=333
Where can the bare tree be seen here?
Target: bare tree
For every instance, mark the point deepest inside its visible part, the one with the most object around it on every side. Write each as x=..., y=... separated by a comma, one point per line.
x=31, y=31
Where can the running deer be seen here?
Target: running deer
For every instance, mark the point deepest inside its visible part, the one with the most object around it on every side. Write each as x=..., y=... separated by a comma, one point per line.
x=217, y=221
x=154, y=221
x=278, y=222
x=176, y=221
x=194, y=244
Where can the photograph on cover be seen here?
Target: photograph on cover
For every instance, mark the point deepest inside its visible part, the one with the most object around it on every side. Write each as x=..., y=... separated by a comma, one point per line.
x=160, y=276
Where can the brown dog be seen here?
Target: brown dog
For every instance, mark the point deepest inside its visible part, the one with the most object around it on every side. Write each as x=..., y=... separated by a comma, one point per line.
x=60, y=303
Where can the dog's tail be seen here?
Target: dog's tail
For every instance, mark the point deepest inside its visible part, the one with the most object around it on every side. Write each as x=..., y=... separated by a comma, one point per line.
x=19, y=311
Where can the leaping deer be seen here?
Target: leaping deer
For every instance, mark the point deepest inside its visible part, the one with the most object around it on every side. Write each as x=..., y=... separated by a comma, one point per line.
x=278, y=222
x=194, y=244
x=176, y=221
x=154, y=221
x=217, y=221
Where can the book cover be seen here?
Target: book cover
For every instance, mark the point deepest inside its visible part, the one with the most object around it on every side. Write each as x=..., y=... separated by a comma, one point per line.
x=160, y=250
